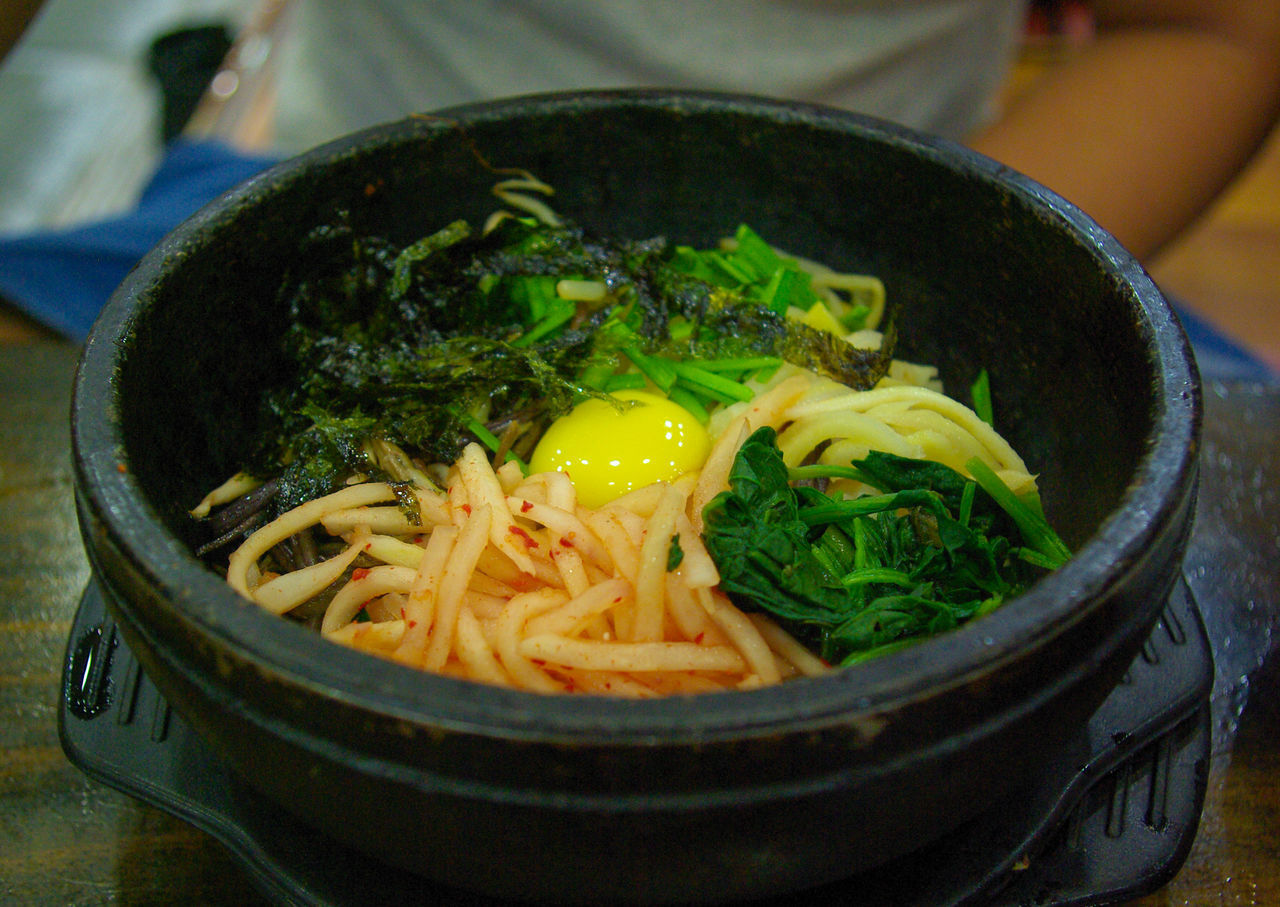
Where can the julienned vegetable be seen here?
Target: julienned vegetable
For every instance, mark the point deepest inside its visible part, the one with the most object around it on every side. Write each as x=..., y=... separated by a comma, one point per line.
x=858, y=576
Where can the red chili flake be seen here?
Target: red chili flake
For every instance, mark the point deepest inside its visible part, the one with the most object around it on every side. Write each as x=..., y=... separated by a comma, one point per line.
x=360, y=573
x=538, y=661
x=402, y=613
x=466, y=508
x=412, y=624
x=368, y=546
x=566, y=542
x=526, y=506
x=698, y=638
x=418, y=539
x=529, y=541
x=618, y=599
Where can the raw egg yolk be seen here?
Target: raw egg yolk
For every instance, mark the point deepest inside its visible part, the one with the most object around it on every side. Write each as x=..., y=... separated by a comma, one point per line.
x=608, y=450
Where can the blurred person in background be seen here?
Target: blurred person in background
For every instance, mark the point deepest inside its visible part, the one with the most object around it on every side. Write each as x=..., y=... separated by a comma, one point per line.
x=1142, y=127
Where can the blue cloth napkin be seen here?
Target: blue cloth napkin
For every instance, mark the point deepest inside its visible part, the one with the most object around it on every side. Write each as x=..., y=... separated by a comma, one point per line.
x=1218, y=356
x=63, y=278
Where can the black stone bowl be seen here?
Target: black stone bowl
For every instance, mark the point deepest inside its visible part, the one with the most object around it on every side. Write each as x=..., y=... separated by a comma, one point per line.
x=713, y=797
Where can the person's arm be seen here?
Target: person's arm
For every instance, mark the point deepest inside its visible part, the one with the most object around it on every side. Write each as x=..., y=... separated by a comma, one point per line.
x=1144, y=128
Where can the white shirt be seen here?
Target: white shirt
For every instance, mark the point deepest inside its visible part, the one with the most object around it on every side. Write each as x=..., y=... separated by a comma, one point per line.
x=931, y=64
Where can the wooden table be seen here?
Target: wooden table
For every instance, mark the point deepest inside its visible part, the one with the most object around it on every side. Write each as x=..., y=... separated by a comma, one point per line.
x=69, y=840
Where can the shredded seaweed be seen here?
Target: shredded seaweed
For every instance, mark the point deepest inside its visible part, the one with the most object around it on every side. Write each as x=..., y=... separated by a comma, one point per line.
x=459, y=336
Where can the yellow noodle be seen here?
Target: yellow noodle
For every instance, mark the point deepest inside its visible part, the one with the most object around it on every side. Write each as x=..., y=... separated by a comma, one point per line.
x=379, y=638
x=286, y=592
x=688, y=616
x=741, y=632
x=423, y=594
x=509, y=627
x=631, y=657
x=475, y=654
x=484, y=489
x=239, y=484
x=376, y=581
x=294, y=521
x=650, y=598
x=564, y=524
x=572, y=570
x=786, y=646
x=453, y=585
x=568, y=619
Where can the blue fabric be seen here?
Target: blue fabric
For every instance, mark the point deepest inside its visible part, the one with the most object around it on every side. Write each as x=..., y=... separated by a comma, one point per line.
x=63, y=278
x=1217, y=355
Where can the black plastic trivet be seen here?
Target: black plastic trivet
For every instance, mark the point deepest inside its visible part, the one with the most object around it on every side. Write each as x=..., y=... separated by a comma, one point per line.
x=1111, y=817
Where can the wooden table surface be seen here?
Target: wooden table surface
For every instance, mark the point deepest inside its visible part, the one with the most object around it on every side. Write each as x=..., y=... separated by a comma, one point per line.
x=69, y=840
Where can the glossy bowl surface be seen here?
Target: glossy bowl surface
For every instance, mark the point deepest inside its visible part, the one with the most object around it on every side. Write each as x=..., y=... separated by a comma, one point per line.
x=712, y=797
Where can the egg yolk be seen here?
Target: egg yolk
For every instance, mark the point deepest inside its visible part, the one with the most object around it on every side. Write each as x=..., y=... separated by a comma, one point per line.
x=608, y=450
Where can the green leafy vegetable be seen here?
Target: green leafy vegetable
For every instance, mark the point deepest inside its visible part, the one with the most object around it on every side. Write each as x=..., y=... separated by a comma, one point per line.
x=675, y=554
x=863, y=576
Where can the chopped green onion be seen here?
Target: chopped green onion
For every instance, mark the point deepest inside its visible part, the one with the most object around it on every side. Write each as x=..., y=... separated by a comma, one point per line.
x=966, y=502
x=710, y=383
x=486, y=437
x=597, y=375
x=788, y=287
x=730, y=267
x=740, y=364
x=1031, y=556
x=981, y=391
x=1035, y=529
x=755, y=252
x=689, y=261
x=558, y=312
x=627, y=381
x=684, y=398
x=537, y=294
x=658, y=370
x=856, y=318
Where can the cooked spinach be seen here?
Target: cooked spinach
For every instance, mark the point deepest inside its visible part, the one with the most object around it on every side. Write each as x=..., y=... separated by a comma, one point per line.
x=860, y=576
